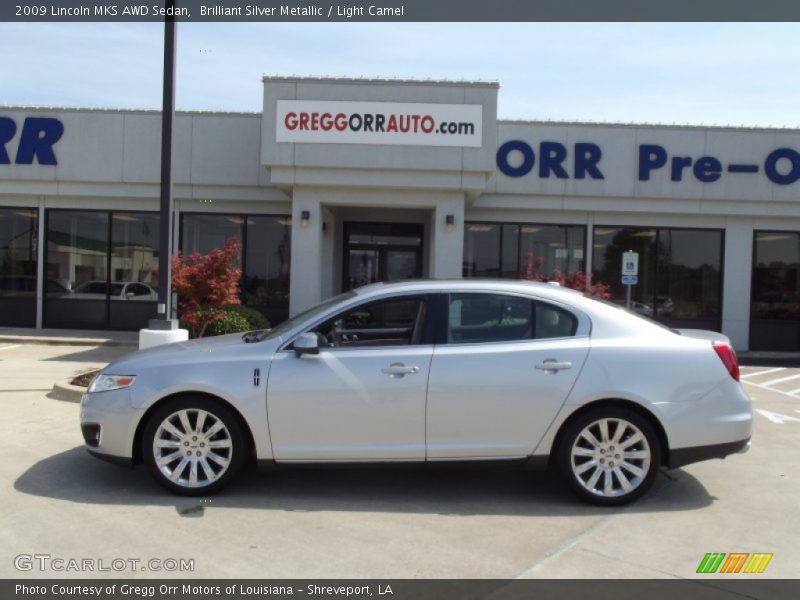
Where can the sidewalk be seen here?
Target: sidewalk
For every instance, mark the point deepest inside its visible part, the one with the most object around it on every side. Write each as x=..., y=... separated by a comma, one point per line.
x=68, y=337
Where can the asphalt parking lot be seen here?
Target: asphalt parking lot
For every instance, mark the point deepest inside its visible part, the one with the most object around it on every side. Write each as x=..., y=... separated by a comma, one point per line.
x=397, y=523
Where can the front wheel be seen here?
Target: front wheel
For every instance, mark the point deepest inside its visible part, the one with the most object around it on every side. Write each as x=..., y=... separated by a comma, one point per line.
x=193, y=447
x=609, y=456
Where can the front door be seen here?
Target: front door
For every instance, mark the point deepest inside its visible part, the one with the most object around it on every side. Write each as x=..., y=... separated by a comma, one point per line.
x=381, y=252
x=363, y=396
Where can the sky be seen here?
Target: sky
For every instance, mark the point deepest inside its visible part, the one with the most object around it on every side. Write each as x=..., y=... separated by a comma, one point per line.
x=686, y=73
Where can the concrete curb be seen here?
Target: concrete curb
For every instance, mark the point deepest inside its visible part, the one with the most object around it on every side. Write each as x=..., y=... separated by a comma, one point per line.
x=66, y=392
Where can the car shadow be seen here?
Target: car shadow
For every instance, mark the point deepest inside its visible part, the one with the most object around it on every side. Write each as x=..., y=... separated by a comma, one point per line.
x=74, y=476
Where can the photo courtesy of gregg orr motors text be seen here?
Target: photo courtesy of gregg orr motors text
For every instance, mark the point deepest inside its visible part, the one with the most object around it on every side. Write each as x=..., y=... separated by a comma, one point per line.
x=387, y=123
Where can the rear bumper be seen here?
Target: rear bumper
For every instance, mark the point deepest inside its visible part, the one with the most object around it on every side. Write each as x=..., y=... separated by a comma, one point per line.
x=684, y=456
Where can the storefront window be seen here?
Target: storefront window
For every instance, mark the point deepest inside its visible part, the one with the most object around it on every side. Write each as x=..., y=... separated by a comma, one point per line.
x=775, y=308
x=265, y=280
x=134, y=268
x=680, y=272
x=514, y=251
x=18, y=235
x=101, y=269
x=265, y=257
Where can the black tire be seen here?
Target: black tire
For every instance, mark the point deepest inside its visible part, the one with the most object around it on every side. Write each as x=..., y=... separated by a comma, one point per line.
x=581, y=483
x=236, y=454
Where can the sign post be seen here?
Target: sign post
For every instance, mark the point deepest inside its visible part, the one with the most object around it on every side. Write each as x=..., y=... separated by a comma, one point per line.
x=630, y=273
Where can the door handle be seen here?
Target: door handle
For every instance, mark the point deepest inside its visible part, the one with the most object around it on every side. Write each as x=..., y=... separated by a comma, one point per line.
x=399, y=369
x=551, y=365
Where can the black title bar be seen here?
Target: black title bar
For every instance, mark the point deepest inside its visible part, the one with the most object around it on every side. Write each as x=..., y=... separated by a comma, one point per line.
x=401, y=10
x=708, y=588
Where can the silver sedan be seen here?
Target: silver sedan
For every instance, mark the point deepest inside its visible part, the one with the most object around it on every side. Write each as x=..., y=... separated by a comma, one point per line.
x=430, y=371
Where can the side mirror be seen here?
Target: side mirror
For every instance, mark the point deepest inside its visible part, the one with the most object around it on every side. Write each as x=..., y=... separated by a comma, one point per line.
x=306, y=343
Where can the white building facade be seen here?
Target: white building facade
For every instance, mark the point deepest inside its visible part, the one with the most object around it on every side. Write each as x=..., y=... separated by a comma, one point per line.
x=342, y=182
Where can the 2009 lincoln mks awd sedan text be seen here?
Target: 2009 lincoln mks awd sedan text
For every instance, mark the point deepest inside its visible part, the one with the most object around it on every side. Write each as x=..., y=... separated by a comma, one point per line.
x=430, y=371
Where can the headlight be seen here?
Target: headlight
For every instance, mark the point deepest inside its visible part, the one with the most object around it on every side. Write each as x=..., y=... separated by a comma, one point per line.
x=106, y=383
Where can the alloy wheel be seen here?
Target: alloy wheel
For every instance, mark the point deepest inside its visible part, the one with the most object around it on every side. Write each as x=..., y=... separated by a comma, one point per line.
x=192, y=448
x=610, y=457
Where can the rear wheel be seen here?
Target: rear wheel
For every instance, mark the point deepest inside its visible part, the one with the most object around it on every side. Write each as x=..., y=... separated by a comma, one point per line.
x=609, y=456
x=194, y=447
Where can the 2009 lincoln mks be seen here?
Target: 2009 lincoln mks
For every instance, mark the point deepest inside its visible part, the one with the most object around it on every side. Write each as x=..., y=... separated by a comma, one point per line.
x=430, y=371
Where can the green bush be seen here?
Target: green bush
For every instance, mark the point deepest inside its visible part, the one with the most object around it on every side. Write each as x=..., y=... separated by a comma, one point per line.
x=254, y=318
x=231, y=322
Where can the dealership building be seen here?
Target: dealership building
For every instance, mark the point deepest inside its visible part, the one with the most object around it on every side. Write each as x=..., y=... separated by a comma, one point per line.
x=343, y=182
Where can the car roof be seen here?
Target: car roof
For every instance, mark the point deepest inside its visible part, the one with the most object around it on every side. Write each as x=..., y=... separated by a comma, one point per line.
x=495, y=285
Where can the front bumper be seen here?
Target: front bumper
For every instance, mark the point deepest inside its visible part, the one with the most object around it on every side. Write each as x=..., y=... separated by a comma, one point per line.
x=108, y=424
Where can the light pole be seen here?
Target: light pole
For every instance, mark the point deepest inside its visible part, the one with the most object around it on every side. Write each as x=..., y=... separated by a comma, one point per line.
x=164, y=319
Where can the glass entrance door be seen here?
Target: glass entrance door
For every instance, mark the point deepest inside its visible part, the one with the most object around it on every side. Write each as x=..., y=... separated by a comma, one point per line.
x=381, y=252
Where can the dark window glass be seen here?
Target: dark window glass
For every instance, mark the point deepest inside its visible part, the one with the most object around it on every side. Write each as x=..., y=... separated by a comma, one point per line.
x=482, y=250
x=381, y=252
x=204, y=233
x=475, y=318
x=77, y=259
x=680, y=272
x=18, y=235
x=510, y=252
x=95, y=284
x=396, y=322
x=134, y=269
x=264, y=260
x=775, y=308
x=265, y=283
x=522, y=251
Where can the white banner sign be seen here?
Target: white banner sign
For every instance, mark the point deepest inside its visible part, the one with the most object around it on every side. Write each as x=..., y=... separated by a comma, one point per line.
x=389, y=123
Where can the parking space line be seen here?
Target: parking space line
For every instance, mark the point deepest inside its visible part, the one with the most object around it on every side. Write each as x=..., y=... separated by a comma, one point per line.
x=771, y=389
x=772, y=382
x=764, y=372
x=10, y=347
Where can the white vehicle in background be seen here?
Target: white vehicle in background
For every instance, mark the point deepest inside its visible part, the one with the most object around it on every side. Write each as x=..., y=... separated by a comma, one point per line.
x=430, y=371
x=119, y=290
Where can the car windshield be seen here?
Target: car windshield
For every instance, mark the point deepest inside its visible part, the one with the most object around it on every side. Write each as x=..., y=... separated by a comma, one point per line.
x=290, y=324
x=633, y=313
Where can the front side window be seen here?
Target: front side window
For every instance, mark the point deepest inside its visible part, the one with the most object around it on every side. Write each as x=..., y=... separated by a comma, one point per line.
x=480, y=318
x=395, y=322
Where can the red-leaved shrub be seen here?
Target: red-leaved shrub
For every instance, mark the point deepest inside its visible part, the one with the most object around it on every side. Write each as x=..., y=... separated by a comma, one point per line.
x=205, y=283
x=577, y=280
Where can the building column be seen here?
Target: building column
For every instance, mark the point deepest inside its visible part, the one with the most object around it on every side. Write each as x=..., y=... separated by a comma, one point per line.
x=736, y=282
x=41, y=272
x=447, y=242
x=306, y=267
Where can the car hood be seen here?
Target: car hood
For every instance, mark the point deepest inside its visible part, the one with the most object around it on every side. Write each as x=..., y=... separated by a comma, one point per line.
x=199, y=350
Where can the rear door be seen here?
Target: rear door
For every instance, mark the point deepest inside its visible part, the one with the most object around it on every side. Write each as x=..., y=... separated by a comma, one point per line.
x=507, y=367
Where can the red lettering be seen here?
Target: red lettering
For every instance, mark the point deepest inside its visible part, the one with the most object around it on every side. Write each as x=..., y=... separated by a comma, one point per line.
x=340, y=122
x=392, y=124
x=304, y=121
x=414, y=123
x=314, y=121
x=290, y=121
x=427, y=119
x=326, y=122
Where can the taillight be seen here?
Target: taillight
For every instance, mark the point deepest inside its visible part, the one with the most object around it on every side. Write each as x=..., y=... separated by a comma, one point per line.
x=728, y=357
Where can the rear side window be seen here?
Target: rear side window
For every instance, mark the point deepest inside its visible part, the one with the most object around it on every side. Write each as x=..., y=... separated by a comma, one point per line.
x=480, y=318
